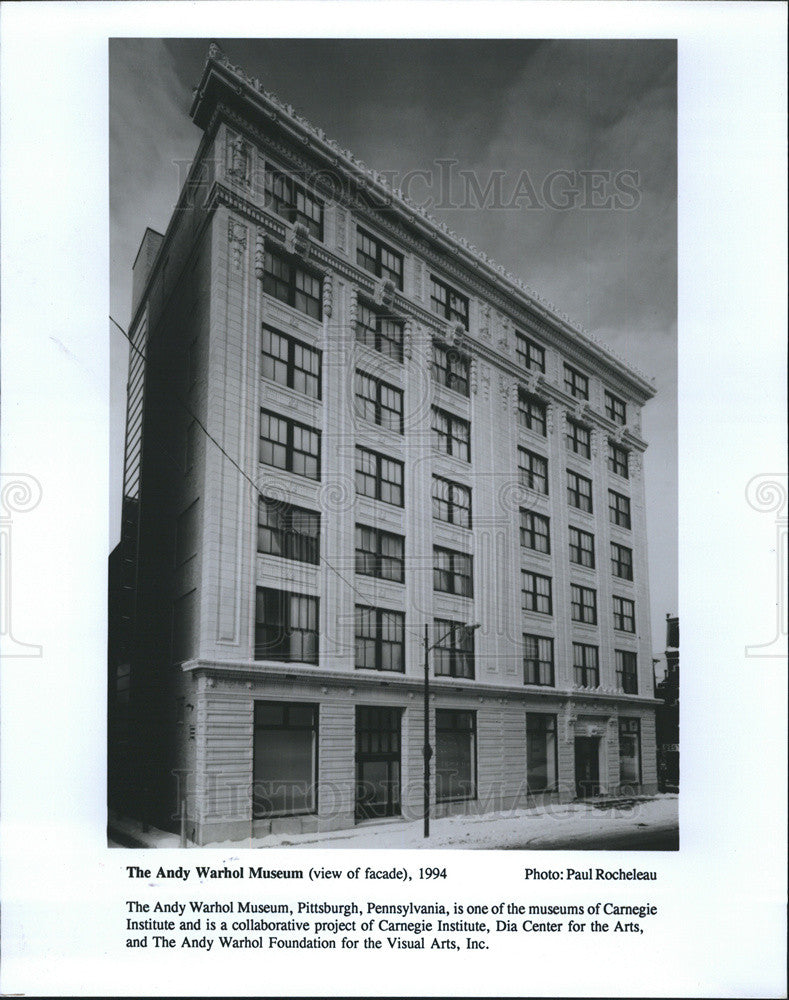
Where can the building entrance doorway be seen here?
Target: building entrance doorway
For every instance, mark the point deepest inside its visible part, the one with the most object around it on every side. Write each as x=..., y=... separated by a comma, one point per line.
x=377, y=762
x=587, y=766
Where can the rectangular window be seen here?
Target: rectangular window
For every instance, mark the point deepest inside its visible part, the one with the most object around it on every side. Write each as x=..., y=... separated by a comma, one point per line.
x=617, y=459
x=626, y=671
x=533, y=471
x=630, y=751
x=380, y=643
x=285, y=759
x=379, y=553
x=538, y=660
x=579, y=491
x=451, y=502
x=451, y=434
x=292, y=284
x=452, y=572
x=379, y=477
x=289, y=362
x=447, y=303
x=379, y=402
x=575, y=383
x=541, y=761
x=536, y=593
x=581, y=548
x=288, y=445
x=450, y=368
x=456, y=753
x=535, y=531
x=293, y=202
x=286, y=626
x=579, y=439
x=287, y=531
x=379, y=259
x=621, y=561
x=531, y=413
x=583, y=604
x=380, y=332
x=618, y=509
x=624, y=614
x=530, y=355
x=586, y=666
x=453, y=654
x=615, y=408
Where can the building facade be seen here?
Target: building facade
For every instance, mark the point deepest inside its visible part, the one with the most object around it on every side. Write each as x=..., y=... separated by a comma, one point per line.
x=346, y=424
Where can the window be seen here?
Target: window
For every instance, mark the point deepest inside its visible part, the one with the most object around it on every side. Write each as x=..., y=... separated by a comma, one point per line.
x=290, y=446
x=292, y=201
x=289, y=532
x=575, y=383
x=286, y=626
x=378, y=258
x=579, y=439
x=618, y=509
x=453, y=655
x=291, y=363
x=451, y=434
x=379, y=402
x=535, y=531
x=530, y=355
x=285, y=759
x=541, y=763
x=380, y=641
x=626, y=672
x=617, y=459
x=615, y=408
x=579, y=491
x=292, y=284
x=583, y=604
x=447, y=303
x=536, y=593
x=621, y=561
x=586, y=666
x=382, y=333
x=533, y=471
x=531, y=413
x=624, y=614
x=379, y=477
x=450, y=368
x=451, y=502
x=452, y=572
x=581, y=548
x=538, y=660
x=630, y=751
x=456, y=737
x=379, y=553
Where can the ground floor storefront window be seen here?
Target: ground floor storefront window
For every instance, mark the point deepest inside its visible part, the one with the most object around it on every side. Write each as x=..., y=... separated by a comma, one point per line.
x=541, y=774
x=456, y=755
x=285, y=759
x=629, y=752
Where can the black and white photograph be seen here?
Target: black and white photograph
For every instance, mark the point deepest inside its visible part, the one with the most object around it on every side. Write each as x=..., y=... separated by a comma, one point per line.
x=400, y=431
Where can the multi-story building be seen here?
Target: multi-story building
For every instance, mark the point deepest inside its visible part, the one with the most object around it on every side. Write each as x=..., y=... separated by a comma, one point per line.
x=346, y=424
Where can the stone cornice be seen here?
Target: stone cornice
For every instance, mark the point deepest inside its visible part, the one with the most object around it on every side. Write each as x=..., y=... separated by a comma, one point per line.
x=478, y=269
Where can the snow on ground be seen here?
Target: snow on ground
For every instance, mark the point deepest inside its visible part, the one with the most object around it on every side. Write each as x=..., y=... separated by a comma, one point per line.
x=518, y=828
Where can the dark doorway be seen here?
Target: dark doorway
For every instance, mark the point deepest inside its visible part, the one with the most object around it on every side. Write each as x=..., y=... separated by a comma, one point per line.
x=377, y=762
x=587, y=766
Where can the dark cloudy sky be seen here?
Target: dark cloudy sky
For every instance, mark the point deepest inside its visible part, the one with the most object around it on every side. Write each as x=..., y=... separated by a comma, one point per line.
x=514, y=106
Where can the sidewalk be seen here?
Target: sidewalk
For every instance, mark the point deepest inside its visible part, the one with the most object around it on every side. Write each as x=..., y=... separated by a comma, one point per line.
x=493, y=831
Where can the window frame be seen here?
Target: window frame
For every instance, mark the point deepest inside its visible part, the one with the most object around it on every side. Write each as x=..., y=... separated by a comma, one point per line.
x=378, y=476
x=451, y=502
x=526, y=415
x=380, y=337
x=618, y=460
x=525, y=356
x=441, y=368
x=545, y=727
x=453, y=422
x=272, y=283
x=578, y=438
x=583, y=604
x=576, y=384
x=378, y=557
x=534, y=595
x=612, y=408
x=452, y=573
x=586, y=668
x=290, y=450
x=619, y=513
x=289, y=535
x=574, y=491
x=381, y=387
x=442, y=715
x=378, y=638
x=448, y=312
x=379, y=269
x=314, y=728
x=290, y=364
x=528, y=475
x=531, y=534
x=579, y=548
x=537, y=665
x=286, y=597
x=624, y=614
x=288, y=207
x=626, y=661
x=445, y=633
x=618, y=563
x=630, y=726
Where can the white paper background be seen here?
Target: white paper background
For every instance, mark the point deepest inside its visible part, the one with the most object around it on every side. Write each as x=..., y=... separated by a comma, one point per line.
x=722, y=932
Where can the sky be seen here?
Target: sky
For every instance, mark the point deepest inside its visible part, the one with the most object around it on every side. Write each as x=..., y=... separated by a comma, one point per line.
x=543, y=118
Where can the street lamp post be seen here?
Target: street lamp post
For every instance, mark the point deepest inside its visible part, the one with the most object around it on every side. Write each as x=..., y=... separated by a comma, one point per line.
x=427, y=750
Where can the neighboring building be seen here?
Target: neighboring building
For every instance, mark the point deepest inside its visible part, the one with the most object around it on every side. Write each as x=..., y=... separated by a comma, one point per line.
x=343, y=423
x=667, y=721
